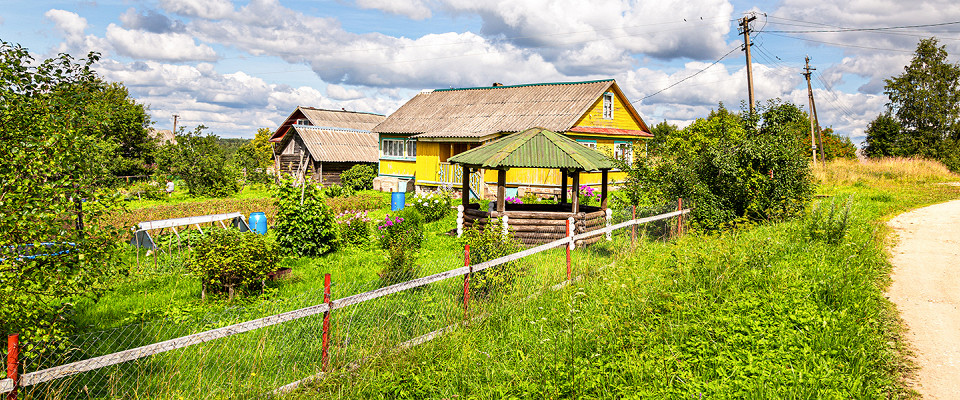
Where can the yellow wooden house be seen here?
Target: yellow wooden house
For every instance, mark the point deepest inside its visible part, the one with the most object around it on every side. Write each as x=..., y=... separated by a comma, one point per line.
x=416, y=141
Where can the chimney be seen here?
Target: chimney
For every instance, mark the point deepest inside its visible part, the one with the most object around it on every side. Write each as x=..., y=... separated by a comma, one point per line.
x=496, y=84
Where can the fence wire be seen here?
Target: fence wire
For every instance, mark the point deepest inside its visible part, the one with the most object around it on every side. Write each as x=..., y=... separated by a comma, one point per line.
x=279, y=359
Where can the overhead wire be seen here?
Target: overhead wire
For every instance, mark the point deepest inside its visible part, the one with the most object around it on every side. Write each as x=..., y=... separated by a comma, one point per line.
x=688, y=77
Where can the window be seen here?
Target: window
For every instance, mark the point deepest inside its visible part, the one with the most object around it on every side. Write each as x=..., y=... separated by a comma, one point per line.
x=608, y=106
x=398, y=148
x=411, y=148
x=623, y=151
x=589, y=143
x=392, y=148
x=302, y=121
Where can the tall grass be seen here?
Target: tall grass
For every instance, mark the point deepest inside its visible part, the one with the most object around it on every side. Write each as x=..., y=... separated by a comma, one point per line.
x=892, y=169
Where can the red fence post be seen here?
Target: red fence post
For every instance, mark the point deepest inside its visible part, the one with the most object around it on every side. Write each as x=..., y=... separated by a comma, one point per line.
x=466, y=280
x=325, y=357
x=679, y=217
x=13, y=363
x=633, y=228
x=568, y=250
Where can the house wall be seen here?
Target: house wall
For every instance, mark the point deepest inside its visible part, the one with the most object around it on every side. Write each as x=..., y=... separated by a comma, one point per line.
x=621, y=117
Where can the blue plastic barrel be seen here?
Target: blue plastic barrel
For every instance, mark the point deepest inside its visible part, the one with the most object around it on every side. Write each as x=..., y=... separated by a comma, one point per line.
x=258, y=223
x=397, y=200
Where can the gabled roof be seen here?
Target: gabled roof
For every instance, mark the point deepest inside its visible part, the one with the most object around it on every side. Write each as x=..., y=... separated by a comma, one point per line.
x=339, y=145
x=534, y=148
x=329, y=119
x=483, y=111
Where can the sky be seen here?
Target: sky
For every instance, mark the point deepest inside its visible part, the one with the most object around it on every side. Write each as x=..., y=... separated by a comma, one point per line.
x=236, y=66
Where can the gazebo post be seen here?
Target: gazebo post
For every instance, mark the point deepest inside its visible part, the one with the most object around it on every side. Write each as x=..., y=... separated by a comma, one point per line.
x=576, y=192
x=603, y=189
x=501, y=190
x=466, y=187
x=563, y=186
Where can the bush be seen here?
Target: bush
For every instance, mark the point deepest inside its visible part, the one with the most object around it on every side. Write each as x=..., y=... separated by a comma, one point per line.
x=354, y=228
x=432, y=205
x=488, y=242
x=149, y=190
x=359, y=177
x=334, y=191
x=304, y=228
x=228, y=259
x=401, y=236
x=828, y=222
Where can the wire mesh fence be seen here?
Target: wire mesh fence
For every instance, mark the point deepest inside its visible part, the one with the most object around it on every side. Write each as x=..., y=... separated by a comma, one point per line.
x=268, y=357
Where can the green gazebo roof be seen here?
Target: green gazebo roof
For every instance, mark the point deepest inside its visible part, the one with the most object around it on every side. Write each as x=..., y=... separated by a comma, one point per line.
x=534, y=148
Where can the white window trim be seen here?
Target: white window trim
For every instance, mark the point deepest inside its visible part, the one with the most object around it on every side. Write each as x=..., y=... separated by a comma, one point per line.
x=588, y=143
x=628, y=157
x=400, y=144
x=608, y=99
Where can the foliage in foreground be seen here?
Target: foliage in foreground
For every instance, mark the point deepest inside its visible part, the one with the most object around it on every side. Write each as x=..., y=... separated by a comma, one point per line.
x=488, y=242
x=359, y=177
x=51, y=243
x=305, y=224
x=402, y=236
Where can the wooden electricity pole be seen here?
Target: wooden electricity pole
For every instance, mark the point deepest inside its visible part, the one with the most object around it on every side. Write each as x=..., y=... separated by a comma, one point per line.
x=745, y=30
x=816, y=138
x=175, y=117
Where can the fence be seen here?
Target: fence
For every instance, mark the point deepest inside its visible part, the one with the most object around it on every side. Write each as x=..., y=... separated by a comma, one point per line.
x=283, y=350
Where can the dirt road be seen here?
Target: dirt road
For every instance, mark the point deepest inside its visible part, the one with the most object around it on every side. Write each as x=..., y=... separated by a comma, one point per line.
x=926, y=291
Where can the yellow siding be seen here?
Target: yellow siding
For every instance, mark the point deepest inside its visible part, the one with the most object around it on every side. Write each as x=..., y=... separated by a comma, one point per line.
x=428, y=158
x=397, y=167
x=621, y=117
x=536, y=176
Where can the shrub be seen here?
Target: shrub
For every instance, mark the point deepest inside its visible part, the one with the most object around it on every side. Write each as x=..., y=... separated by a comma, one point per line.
x=228, y=259
x=828, y=222
x=334, y=191
x=405, y=227
x=488, y=242
x=304, y=228
x=359, y=177
x=513, y=200
x=150, y=190
x=401, y=236
x=354, y=228
x=432, y=205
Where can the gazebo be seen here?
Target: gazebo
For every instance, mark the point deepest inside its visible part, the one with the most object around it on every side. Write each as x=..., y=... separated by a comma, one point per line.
x=537, y=148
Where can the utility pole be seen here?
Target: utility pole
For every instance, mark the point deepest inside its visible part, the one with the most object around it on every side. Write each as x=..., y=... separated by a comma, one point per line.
x=175, y=116
x=816, y=139
x=745, y=30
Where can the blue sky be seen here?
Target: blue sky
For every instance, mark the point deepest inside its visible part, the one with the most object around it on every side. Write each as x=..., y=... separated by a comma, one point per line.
x=238, y=66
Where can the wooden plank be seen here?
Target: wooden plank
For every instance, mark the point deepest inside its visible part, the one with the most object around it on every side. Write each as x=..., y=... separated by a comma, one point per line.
x=90, y=364
x=200, y=219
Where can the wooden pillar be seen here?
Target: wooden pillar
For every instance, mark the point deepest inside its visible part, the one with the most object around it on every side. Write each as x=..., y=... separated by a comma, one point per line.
x=466, y=186
x=501, y=190
x=603, y=188
x=576, y=192
x=563, y=186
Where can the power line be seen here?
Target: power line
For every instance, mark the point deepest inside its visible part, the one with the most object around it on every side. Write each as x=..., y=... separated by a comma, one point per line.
x=691, y=76
x=839, y=44
x=866, y=29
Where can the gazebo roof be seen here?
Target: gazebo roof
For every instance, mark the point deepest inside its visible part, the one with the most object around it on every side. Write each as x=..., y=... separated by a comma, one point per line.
x=534, y=148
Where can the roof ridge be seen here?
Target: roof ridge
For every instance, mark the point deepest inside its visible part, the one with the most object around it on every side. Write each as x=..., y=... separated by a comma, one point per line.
x=507, y=150
x=571, y=151
x=340, y=111
x=523, y=85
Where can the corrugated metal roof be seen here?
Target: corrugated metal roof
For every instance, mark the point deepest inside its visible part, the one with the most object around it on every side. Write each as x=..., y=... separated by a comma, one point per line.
x=328, y=118
x=339, y=145
x=475, y=112
x=534, y=148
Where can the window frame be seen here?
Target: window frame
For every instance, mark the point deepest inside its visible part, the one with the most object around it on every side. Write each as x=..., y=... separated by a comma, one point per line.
x=588, y=143
x=608, y=106
x=622, y=155
x=399, y=149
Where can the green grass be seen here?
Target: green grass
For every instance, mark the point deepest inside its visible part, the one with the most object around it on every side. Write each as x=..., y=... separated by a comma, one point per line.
x=757, y=313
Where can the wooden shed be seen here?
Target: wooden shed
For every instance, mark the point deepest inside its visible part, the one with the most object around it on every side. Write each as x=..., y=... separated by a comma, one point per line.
x=321, y=144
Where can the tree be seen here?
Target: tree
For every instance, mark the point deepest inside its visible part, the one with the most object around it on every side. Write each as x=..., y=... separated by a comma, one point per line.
x=200, y=162
x=925, y=99
x=52, y=246
x=256, y=156
x=882, y=135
